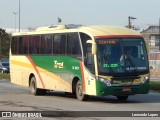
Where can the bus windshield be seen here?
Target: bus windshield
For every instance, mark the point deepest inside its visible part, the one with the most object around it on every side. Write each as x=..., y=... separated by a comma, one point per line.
x=121, y=56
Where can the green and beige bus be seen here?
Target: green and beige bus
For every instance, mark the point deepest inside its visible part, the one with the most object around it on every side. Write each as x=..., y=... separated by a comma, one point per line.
x=82, y=60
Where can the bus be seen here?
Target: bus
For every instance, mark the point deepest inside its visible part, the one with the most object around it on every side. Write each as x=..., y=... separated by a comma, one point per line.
x=82, y=60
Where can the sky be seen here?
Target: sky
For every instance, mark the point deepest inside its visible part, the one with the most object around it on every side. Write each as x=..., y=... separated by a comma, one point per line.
x=36, y=13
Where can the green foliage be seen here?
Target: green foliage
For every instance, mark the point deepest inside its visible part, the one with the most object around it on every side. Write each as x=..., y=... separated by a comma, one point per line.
x=154, y=85
x=4, y=76
x=5, y=39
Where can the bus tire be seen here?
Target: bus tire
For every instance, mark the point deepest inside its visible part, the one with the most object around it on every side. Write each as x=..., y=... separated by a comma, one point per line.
x=122, y=98
x=33, y=87
x=79, y=92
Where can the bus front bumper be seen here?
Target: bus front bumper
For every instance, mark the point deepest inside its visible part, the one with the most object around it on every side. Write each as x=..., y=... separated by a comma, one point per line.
x=103, y=90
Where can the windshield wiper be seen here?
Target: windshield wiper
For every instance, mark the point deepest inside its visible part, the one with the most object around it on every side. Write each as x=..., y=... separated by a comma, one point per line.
x=132, y=62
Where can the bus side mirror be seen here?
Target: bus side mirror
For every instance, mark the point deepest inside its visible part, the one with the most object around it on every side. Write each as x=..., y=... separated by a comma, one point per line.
x=94, y=48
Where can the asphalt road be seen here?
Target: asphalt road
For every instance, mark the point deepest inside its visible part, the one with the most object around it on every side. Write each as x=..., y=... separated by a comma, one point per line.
x=17, y=98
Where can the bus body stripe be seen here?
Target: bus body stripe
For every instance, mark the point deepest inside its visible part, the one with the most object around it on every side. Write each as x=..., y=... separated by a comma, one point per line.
x=83, y=80
x=34, y=66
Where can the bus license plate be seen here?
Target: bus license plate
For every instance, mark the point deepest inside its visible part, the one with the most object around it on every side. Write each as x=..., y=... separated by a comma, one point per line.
x=126, y=90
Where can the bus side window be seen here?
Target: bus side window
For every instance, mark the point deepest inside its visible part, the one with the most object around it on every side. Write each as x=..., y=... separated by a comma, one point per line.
x=37, y=44
x=56, y=44
x=84, y=38
x=42, y=48
x=87, y=52
x=46, y=44
x=23, y=45
x=63, y=44
x=89, y=60
x=31, y=45
x=73, y=44
x=69, y=44
x=14, y=45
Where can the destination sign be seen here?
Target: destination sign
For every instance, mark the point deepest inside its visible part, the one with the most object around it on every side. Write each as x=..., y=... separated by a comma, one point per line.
x=107, y=42
x=110, y=65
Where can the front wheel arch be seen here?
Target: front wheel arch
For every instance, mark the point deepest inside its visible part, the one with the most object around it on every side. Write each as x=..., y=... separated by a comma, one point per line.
x=79, y=92
x=30, y=77
x=33, y=87
x=74, y=82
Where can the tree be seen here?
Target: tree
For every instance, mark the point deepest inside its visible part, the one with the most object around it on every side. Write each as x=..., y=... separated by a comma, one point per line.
x=5, y=40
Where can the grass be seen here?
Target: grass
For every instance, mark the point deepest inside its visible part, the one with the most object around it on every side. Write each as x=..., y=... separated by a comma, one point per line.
x=4, y=76
x=155, y=85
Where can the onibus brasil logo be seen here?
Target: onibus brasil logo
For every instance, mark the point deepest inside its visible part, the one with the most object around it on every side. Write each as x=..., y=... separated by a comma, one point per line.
x=58, y=64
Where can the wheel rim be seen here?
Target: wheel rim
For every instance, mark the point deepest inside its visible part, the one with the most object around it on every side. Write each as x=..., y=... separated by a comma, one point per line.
x=33, y=87
x=79, y=91
x=80, y=94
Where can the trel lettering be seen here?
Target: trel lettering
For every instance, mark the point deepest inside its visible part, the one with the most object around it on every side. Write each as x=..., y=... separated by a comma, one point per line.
x=58, y=64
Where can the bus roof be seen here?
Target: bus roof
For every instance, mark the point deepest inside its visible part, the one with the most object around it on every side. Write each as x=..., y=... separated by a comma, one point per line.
x=93, y=30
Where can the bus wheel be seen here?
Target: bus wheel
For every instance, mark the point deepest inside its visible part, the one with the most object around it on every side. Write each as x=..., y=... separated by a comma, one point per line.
x=79, y=92
x=122, y=98
x=34, y=89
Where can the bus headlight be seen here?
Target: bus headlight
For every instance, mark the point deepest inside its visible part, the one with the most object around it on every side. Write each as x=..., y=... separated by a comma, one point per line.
x=145, y=79
x=105, y=81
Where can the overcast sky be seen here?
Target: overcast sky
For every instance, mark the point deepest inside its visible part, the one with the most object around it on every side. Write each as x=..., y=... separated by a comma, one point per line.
x=35, y=13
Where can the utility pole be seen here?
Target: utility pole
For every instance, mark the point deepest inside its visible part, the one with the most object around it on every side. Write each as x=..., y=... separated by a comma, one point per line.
x=19, y=15
x=15, y=13
x=129, y=22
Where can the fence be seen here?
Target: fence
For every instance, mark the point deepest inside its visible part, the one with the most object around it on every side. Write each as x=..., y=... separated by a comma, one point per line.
x=154, y=63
